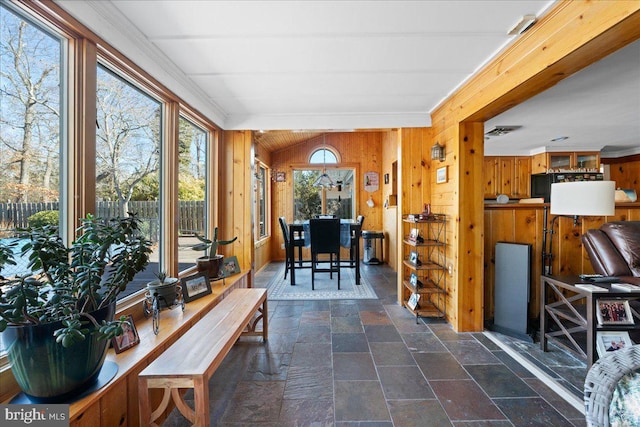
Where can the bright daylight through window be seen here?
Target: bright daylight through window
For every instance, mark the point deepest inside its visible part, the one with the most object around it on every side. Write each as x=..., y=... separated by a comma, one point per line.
x=128, y=146
x=192, y=174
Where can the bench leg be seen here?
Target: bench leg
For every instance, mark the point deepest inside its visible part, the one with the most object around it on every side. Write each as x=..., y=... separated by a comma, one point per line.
x=265, y=321
x=201, y=402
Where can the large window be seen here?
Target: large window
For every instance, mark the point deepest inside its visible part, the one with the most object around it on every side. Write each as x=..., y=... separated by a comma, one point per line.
x=262, y=196
x=128, y=147
x=192, y=174
x=31, y=113
x=318, y=190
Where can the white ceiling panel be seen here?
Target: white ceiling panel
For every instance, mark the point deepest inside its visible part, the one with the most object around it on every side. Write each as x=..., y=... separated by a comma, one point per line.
x=305, y=64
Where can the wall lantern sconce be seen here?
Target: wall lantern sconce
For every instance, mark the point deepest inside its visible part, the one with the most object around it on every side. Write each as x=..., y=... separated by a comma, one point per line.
x=437, y=152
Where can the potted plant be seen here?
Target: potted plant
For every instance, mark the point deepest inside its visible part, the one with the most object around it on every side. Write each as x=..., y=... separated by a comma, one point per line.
x=164, y=289
x=57, y=320
x=211, y=262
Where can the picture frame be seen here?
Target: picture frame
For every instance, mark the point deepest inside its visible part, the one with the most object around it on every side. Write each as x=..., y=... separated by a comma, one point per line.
x=386, y=178
x=230, y=266
x=195, y=286
x=413, y=279
x=414, y=234
x=412, y=303
x=281, y=176
x=608, y=341
x=129, y=337
x=413, y=257
x=441, y=175
x=614, y=312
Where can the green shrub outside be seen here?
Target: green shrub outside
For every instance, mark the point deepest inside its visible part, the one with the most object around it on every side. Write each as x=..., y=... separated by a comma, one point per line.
x=43, y=218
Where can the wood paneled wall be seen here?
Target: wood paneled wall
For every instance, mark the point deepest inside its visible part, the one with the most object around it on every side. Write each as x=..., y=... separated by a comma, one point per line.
x=625, y=171
x=524, y=224
x=416, y=172
x=235, y=195
x=571, y=36
x=361, y=150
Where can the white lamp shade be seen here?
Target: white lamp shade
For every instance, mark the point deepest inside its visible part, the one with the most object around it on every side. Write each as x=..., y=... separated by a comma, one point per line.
x=586, y=198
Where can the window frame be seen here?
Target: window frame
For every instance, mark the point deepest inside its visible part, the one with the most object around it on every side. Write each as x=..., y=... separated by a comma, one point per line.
x=265, y=181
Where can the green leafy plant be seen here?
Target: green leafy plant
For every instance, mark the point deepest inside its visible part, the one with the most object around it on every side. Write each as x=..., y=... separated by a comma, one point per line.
x=67, y=284
x=210, y=246
x=42, y=218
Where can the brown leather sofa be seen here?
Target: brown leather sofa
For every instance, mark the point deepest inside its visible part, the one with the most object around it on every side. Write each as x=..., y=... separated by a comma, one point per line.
x=614, y=250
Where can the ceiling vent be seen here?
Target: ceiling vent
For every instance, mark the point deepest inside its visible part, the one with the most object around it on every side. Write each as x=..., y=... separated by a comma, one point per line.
x=501, y=130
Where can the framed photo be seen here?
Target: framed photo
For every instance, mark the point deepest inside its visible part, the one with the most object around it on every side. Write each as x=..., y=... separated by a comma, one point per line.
x=413, y=279
x=230, y=266
x=614, y=312
x=129, y=336
x=441, y=175
x=609, y=341
x=414, y=233
x=413, y=257
x=195, y=286
x=386, y=178
x=281, y=176
x=413, y=301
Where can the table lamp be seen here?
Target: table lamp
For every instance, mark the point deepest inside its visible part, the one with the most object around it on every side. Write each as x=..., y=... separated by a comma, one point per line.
x=573, y=199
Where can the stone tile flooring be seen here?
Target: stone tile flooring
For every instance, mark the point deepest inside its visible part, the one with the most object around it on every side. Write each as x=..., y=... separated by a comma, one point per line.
x=367, y=363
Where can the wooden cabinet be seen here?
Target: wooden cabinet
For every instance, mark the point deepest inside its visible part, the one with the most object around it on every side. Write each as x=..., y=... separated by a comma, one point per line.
x=507, y=175
x=424, y=265
x=566, y=161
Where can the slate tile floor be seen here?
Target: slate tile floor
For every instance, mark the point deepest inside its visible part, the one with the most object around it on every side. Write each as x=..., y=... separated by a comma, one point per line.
x=367, y=363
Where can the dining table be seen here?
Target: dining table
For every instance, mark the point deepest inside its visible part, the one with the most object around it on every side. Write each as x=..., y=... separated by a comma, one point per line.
x=350, y=231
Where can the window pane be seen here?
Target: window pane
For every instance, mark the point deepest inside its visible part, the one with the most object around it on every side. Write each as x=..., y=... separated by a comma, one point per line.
x=310, y=200
x=128, y=145
x=262, y=202
x=307, y=200
x=323, y=156
x=30, y=125
x=191, y=190
x=339, y=198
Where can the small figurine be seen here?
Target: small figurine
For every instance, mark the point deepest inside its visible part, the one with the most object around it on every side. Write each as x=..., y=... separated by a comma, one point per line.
x=426, y=214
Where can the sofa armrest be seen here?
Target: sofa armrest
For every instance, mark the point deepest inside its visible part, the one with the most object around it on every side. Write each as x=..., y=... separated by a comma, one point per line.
x=604, y=256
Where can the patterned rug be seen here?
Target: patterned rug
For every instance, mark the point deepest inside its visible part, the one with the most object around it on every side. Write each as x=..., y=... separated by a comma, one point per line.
x=280, y=289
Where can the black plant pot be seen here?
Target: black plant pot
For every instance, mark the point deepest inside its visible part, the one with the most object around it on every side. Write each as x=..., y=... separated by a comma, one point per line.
x=210, y=266
x=46, y=371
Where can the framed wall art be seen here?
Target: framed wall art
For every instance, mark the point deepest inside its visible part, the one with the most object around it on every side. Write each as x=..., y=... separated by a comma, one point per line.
x=441, y=175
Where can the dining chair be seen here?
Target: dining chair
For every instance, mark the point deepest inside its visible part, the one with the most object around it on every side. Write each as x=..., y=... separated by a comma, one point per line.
x=355, y=241
x=325, y=239
x=298, y=242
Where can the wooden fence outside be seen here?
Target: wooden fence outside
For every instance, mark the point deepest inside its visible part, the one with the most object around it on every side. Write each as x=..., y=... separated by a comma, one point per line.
x=190, y=214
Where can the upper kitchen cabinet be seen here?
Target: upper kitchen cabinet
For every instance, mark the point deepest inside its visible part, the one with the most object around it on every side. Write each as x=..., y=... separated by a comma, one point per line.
x=565, y=161
x=507, y=175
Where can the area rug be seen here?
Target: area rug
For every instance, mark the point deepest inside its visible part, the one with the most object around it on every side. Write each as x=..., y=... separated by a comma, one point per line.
x=280, y=289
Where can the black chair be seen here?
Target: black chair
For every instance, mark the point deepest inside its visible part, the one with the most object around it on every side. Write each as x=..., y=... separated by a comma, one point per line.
x=325, y=239
x=355, y=241
x=297, y=242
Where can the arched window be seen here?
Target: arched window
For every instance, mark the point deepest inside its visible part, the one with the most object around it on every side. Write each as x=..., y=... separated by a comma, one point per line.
x=323, y=156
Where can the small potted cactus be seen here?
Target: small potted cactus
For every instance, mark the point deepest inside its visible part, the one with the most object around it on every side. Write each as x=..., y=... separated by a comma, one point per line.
x=164, y=289
x=211, y=262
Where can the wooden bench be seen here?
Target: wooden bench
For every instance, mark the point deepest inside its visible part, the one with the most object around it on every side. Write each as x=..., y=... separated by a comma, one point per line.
x=193, y=358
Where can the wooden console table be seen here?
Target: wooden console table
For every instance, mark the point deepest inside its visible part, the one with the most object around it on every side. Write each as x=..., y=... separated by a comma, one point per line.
x=574, y=313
